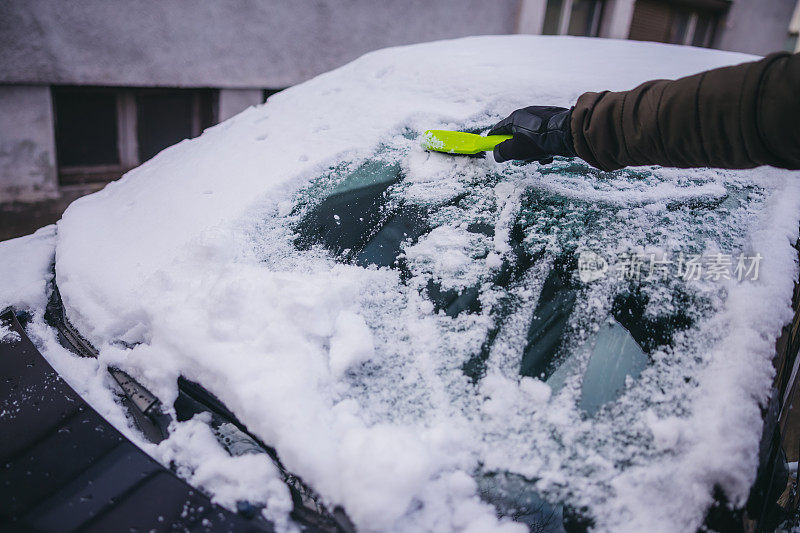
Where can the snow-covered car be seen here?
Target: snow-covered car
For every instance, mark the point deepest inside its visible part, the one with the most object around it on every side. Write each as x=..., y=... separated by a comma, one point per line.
x=341, y=330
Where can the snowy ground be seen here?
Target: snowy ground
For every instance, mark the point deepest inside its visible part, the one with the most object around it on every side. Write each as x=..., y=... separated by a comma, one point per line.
x=351, y=373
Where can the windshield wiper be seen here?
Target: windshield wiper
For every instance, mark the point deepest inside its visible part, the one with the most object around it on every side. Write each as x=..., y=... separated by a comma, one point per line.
x=153, y=420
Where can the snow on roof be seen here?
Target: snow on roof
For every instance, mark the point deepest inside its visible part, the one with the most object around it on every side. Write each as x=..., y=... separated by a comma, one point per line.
x=349, y=371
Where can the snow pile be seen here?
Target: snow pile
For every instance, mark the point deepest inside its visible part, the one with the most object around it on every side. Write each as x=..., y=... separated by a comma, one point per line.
x=194, y=451
x=351, y=342
x=26, y=268
x=351, y=372
x=7, y=335
x=448, y=251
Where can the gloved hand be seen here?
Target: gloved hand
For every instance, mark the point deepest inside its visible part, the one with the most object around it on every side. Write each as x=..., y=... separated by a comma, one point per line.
x=540, y=132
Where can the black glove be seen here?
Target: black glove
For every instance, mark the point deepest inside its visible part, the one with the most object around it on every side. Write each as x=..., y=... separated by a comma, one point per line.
x=540, y=132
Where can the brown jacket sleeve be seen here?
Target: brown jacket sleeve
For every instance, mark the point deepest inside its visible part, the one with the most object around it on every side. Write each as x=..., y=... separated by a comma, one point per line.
x=742, y=116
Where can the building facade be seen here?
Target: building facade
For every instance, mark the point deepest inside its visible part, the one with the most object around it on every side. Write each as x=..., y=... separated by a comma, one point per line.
x=750, y=26
x=794, y=30
x=90, y=89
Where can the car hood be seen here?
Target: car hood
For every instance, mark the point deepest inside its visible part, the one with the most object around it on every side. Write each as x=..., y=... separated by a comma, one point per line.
x=190, y=265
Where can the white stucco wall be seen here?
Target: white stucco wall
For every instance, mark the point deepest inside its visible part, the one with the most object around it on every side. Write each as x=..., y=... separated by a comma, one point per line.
x=234, y=101
x=617, y=16
x=242, y=44
x=756, y=26
x=27, y=145
x=531, y=16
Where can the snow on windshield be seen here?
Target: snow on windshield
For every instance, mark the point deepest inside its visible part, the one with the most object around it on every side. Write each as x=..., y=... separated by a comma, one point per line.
x=478, y=314
x=434, y=341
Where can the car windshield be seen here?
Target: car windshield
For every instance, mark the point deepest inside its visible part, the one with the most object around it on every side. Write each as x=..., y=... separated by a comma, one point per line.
x=543, y=308
x=428, y=340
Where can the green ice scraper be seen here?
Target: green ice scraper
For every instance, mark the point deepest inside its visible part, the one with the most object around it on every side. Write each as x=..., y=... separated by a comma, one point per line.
x=457, y=142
